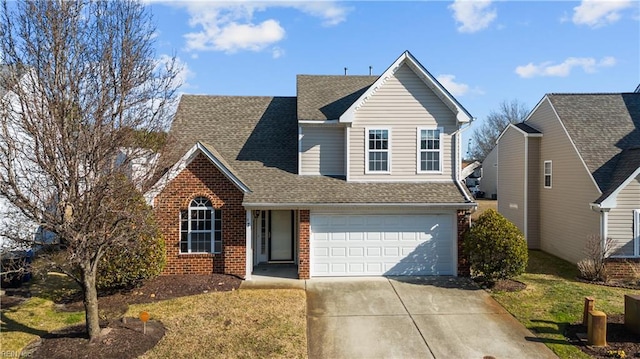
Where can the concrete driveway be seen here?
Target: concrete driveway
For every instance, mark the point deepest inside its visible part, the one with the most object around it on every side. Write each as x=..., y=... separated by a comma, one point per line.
x=425, y=317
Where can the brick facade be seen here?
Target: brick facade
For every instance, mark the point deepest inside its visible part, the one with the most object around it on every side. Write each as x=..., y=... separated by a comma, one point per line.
x=304, y=231
x=623, y=268
x=464, y=269
x=202, y=178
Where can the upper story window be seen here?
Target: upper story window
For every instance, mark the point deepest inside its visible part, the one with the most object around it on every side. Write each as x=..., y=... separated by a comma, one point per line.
x=547, y=174
x=378, y=150
x=201, y=228
x=430, y=150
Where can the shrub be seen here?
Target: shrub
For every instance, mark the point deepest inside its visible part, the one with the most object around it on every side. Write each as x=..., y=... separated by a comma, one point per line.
x=128, y=265
x=593, y=267
x=495, y=247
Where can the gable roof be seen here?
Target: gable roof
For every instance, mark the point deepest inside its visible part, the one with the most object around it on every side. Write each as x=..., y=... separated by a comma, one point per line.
x=258, y=139
x=601, y=126
x=211, y=154
x=462, y=114
x=627, y=168
x=523, y=127
x=322, y=98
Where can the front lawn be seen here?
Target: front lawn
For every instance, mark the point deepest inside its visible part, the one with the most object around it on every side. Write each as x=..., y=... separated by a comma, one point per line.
x=226, y=324
x=554, y=298
x=238, y=324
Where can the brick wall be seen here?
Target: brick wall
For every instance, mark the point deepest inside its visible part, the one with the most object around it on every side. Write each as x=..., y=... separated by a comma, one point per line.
x=463, y=226
x=303, y=250
x=202, y=178
x=623, y=268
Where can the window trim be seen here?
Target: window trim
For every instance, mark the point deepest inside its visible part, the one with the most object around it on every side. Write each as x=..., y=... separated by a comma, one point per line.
x=367, y=151
x=216, y=215
x=545, y=174
x=419, y=150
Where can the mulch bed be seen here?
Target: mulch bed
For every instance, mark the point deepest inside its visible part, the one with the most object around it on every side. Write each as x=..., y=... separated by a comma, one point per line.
x=122, y=338
x=618, y=338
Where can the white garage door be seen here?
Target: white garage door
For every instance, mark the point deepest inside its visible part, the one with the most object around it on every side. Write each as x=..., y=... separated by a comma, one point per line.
x=361, y=245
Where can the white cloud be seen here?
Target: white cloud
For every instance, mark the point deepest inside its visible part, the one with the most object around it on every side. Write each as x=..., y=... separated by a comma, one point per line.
x=456, y=88
x=230, y=26
x=597, y=13
x=473, y=15
x=277, y=52
x=184, y=73
x=588, y=65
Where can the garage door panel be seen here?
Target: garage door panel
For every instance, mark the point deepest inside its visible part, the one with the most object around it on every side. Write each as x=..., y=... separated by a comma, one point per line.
x=352, y=244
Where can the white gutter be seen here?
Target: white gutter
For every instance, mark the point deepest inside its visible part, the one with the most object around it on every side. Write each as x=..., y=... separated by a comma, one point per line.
x=387, y=205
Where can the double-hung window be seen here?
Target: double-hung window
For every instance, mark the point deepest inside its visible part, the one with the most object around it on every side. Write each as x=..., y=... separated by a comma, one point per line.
x=430, y=150
x=201, y=228
x=378, y=151
x=547, y=174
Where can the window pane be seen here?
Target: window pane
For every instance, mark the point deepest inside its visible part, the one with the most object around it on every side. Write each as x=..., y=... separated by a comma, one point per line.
x=378, y=161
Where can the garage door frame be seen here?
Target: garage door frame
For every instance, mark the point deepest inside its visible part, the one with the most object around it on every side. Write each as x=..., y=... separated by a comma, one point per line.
x=453, y=241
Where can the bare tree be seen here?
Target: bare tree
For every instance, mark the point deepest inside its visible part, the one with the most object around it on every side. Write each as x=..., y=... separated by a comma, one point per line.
x=484, y=138
x=84, y=84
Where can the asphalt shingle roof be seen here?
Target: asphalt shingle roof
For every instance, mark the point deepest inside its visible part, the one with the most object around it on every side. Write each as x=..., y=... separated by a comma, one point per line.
x=602, y=126
x=258, y=138
x=327, y=97
x=526, y=128
x=627, y=163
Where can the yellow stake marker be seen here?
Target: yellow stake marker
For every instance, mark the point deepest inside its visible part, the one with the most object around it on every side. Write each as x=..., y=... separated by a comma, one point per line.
x=144, y=317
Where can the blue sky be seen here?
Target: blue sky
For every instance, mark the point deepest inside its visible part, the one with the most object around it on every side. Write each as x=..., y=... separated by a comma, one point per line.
x=483, y=52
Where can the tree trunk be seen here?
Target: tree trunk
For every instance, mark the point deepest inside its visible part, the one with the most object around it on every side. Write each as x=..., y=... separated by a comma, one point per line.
x=91, y=303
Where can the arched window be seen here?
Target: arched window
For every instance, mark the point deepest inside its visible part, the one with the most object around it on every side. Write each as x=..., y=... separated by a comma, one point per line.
x=201, y=228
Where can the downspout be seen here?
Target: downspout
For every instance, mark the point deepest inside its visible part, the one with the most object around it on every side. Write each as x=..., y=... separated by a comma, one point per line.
x=526, y=188
x=604, y=222
x=457, y=169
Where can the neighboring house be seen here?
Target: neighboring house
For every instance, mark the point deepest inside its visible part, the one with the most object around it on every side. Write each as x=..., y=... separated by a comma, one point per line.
x=355, y=176
x=571, y=170
x=13, y=224
x=489, y=183
x=471, y=173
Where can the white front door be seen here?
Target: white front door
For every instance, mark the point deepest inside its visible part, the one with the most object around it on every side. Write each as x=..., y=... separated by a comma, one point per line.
x=281, y=239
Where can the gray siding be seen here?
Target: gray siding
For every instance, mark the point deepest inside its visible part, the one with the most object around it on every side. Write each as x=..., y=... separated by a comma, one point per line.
x=621, y=219
x=489, y=181
x=511, y=177
x=322, y=150
x=534, y=175
x=566, y=220
x=402, y=104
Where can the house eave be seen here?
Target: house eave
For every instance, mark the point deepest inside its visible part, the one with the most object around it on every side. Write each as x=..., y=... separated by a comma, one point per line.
x=311, y=205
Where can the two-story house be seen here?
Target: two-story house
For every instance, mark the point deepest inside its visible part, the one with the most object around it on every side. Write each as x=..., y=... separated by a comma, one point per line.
x=354, y=176
x=571, y=172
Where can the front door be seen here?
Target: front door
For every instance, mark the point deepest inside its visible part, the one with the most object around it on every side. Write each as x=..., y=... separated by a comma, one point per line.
x=281, y=236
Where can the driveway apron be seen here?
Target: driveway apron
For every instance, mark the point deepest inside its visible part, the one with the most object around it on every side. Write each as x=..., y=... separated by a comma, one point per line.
x=412, y=317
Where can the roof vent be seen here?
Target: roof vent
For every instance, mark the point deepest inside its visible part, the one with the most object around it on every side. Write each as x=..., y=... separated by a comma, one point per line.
x=370, y=70
x=345, y=71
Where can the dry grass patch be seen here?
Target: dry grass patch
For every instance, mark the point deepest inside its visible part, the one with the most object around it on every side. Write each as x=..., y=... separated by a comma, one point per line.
x=238, y=324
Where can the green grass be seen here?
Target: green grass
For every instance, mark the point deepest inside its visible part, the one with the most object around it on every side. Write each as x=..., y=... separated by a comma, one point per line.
x=553, y=298
x=37, y=315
